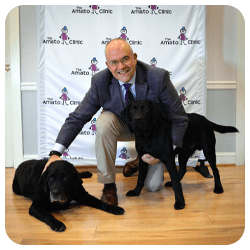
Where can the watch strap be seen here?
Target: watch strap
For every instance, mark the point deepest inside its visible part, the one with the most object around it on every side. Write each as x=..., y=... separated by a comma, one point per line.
x=53, y=152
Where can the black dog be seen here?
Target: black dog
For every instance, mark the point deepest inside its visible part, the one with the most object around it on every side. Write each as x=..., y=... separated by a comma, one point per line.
x=152, y=136
x=200, y=135
x=54, y=189
x=142, y=116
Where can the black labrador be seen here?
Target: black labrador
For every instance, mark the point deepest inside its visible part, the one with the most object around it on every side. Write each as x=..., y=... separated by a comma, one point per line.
x=54, y=190
x=142, y=118
x=152, y=136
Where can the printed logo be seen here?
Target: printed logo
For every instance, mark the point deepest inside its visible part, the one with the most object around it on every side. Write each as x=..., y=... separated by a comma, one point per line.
x=65, y=100
x=93, y=9
x=182, y=36
x=183, y=39
x=66, y=155
x=123, y=35
x=93, y=66
x=123, y=154
x=64, y=96
x=185, y=100
x=64, y=39
x=153, y=62
x=93, y=69
x=152, y=9
x=93, y=126
x=64, y=35
x=92, y=129
x=79, y=72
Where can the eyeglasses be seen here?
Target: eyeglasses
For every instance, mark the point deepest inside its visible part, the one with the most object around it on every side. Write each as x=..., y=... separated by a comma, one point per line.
x=124, y=60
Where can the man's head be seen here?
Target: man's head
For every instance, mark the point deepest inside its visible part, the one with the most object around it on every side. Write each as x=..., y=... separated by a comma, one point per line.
x=121, y=60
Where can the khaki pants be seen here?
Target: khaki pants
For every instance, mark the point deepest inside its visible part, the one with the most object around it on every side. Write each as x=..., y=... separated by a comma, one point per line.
x=109, y=130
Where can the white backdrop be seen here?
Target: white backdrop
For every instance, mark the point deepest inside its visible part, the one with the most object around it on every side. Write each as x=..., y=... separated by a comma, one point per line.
x=71, y=42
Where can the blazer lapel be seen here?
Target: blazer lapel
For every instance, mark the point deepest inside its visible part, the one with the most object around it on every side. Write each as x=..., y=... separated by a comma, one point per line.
x=116, y=104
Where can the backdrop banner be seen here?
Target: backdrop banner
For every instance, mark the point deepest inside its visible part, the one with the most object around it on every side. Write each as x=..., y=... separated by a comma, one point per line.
x=71, y=42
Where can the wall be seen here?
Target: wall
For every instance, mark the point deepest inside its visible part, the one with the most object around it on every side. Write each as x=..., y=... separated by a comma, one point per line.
x=221, y=75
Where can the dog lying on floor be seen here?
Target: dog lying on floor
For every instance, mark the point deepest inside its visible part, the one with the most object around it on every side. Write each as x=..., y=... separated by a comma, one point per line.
x=142, y=118
x=54, y=190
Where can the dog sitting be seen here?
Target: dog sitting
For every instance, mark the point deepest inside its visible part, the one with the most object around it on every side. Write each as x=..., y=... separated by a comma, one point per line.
x=54, y=190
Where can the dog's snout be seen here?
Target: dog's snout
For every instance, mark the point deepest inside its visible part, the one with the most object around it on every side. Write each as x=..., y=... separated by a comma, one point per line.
x=55, y=191
x=138, y=119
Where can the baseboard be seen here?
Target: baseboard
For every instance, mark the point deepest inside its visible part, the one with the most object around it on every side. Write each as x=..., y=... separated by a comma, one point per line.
x=226, y=158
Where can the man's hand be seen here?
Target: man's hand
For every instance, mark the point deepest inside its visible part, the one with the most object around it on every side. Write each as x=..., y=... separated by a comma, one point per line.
x=52, y=159
x=150, y=159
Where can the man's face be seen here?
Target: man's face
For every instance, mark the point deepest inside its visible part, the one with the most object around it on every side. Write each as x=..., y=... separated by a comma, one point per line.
x=120, y=60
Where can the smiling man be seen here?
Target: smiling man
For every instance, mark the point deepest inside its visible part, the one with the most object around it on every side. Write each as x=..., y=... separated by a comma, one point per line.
x=125, y=80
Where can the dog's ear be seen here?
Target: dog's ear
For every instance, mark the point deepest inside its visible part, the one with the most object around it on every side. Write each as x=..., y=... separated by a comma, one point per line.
x=77, y=180
x=43, y=184
x=78, y=184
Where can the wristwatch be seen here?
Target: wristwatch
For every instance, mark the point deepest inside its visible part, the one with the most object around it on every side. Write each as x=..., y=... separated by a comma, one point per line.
x=54, y=153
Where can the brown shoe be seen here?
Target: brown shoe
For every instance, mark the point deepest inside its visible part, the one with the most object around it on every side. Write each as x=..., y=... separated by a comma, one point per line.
x=131, y=167
x=109, y=194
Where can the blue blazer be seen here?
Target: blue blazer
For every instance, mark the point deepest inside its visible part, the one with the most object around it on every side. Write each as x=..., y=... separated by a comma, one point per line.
x=151, y=84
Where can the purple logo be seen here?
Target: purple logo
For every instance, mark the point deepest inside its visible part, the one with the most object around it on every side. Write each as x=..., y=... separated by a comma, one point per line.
x=123, y=154
x=93, y=66
x=185, y=100
x=153, y=62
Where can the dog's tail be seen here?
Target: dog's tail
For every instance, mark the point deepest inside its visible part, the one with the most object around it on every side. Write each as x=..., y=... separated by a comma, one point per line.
x=224, y=129
x=86, y=174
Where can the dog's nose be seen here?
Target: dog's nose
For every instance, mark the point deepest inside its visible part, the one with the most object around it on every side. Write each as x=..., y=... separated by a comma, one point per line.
x=138, y=120
x=55, y=191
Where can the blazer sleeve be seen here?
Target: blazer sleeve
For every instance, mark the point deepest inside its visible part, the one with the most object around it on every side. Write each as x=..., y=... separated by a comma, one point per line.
x=174, y=109
x=77, y=119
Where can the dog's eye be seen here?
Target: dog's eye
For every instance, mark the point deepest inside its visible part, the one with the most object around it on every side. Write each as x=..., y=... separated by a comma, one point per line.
x=51, y=178
x=133, y=109
x=65, y=179
x=145, y=109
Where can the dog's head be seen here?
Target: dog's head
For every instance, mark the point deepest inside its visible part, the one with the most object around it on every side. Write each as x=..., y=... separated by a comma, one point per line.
x=142, y=116
x=60, y=182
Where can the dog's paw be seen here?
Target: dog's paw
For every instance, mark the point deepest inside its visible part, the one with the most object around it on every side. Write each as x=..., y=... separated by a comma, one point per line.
x=132, y=193
x=218, y=190
x=179, y=205
x=168, y=184
x=58, y=226
x=116, y=210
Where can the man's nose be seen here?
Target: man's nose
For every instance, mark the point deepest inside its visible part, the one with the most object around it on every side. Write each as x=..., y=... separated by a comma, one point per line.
x=120, y=65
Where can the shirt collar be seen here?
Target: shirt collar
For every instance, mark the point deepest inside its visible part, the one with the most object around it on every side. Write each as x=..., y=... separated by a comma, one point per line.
x=132, y=80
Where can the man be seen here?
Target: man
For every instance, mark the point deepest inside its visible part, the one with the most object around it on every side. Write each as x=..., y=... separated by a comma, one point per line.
x=109, y=92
